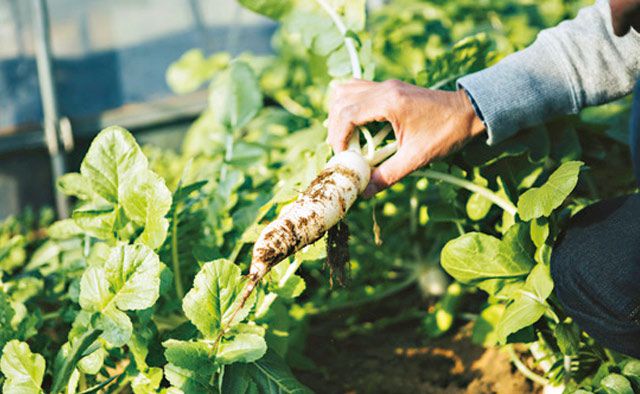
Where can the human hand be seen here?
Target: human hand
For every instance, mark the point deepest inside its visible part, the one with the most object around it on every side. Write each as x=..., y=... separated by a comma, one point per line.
x=428, y=124
x=625, y=14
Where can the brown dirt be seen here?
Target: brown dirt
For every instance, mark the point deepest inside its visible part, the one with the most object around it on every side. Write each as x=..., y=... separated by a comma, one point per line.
x=400, y=360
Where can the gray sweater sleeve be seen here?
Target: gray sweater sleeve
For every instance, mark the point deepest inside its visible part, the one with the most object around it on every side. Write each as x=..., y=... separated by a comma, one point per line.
x=576, y=64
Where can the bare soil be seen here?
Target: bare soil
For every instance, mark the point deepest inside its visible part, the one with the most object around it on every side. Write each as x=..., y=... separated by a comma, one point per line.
x=399, y=359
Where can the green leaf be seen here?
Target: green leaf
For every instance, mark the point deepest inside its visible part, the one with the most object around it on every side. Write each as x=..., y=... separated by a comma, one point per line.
x=632, y=371
x=288, y=287
x=64, y=229
x=192, y=355
x=477, y=256
x=99, y=223
x=116, y=326
x=478, y=206
x=215, y=293
x=616, y=384
x=192, y=70
x=529, y=304
x=272, y=375
x=274, y=9
x=190, y=365
x=242, y=348
x=339, y=63
x=113, y=157
x=6, y=315
x=353, y=12
x=235, y=96
x=541, y=201
x=75, y=184
x=568, y=336
x=484, y=329
x=146, y=200
x=147, y=382
x=539, y=231
x=516, y=245
x=129, y=280
x=235, y=379
x=22, y=369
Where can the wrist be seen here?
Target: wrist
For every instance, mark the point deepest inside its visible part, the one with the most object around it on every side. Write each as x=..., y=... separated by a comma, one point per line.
x=473, y=121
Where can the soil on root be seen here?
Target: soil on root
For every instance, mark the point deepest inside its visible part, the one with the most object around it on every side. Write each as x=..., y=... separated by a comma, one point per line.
x=401, y=360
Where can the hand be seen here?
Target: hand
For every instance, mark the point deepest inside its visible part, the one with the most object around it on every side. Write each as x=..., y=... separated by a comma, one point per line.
x=625, y=14
x=428, y=124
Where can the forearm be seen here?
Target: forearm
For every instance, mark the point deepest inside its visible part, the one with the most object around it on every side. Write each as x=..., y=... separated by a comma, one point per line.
x=576, y=64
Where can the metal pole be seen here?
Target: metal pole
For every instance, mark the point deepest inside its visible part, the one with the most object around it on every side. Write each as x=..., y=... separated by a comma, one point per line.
x=49, y=99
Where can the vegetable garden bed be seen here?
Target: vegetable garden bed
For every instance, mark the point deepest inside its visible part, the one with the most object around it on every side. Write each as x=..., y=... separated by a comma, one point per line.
x=144, y=288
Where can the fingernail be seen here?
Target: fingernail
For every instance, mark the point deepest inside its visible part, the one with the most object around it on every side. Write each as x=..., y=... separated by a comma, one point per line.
x=370, y=191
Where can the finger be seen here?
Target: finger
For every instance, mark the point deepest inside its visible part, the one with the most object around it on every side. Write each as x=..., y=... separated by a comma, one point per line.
x=388, y=173
x=348, y=91
x=343, y=121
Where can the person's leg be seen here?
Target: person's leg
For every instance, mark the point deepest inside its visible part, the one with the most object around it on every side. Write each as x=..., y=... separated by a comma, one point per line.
x=596, y=270
x=634, y=132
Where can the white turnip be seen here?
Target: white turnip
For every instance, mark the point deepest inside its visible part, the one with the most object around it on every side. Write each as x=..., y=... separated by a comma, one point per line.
x=326, y=200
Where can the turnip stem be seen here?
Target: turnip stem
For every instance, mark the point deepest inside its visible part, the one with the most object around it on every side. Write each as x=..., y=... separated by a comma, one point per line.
x=523, y=368
x=349, y=43
x=381, y=135
x=472, y=187
x=383, y=153
x=370, y=147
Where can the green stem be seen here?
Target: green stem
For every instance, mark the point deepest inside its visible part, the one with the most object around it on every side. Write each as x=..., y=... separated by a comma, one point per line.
x=349, y=43
x=175, y=256
x=97, y=387
x=472, y=187
x=523, y=368
x=62, y=376
x=228, y=154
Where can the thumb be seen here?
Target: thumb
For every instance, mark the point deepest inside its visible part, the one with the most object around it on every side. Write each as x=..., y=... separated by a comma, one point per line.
x=388, y=173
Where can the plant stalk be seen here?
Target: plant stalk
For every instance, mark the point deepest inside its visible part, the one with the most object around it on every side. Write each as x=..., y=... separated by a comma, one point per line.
x=472, y=187
x=523, y=368
x=175, y=256
x=349, y=43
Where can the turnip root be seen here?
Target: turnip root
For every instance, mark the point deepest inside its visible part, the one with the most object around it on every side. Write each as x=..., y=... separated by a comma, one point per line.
x=327, y=199
x=321, y=206
x=317, y=209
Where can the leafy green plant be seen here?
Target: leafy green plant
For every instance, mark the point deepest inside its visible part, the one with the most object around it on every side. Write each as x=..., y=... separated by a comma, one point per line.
x=137, y=289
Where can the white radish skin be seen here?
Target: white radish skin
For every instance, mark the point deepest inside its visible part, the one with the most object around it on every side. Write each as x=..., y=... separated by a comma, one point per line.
x=316, y=210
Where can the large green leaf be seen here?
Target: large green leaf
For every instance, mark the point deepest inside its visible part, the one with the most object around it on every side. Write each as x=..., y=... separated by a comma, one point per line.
x=529, y=303
x=97, y=222
x=190, y=365
x=235, y=96
x=616, y=384
x=74, y=184
x=22, y=369
x=477, y=256
x=541, y=201
x=215, y=293
x=113, y=157
x=242, y=348
x=272, y=375
x=129, y=280
x=146, y=200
